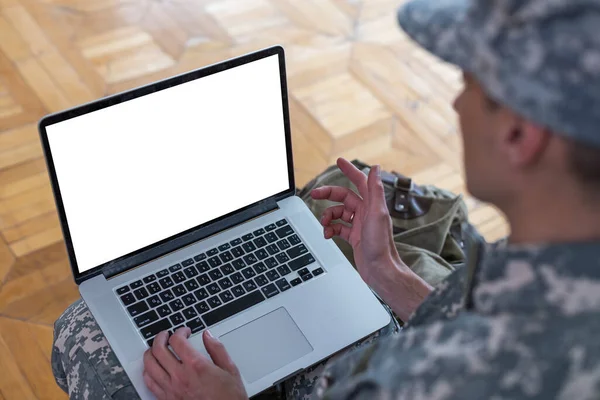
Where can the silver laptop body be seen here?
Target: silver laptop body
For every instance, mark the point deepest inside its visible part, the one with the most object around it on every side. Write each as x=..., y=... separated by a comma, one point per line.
x=178, y=207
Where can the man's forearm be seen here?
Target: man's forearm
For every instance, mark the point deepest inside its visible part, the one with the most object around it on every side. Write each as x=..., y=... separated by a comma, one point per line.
x=402, y=289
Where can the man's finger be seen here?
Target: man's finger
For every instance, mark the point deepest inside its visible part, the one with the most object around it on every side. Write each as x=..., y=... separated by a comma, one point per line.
x=336, y=212
x=340, y=230
x=219, y=353
x=376, y=191
x=184, y=349
x=355, y=175
x=155, y=371
x=338, y=194
x=154, y=387
x=161, y=352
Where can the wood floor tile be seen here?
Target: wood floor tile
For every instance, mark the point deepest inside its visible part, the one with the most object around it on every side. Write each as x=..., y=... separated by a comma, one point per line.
x=7, y=260
x=13, y=384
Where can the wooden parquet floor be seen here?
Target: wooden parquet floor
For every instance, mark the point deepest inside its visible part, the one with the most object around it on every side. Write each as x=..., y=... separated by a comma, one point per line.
x=359, y=88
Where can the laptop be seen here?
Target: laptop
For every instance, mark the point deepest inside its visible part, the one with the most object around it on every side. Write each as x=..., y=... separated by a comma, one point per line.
x=178, y=207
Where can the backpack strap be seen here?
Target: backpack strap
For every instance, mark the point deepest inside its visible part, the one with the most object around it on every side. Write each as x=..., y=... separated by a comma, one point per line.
x=475, y=249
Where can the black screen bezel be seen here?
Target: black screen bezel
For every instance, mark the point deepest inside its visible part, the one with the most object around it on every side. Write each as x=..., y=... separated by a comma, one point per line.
x=142, y=91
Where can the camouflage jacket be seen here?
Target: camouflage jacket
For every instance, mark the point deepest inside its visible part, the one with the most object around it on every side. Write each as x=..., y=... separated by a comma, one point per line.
x=531, y=332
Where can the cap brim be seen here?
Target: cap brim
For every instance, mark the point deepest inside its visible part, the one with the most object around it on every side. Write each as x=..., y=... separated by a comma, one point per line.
x=436, y=26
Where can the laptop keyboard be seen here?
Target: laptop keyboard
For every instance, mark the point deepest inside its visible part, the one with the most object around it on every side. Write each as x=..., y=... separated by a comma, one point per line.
x=203, y=290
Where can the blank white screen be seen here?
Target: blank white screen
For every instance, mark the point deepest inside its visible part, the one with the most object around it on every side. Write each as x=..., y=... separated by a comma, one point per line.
x=133, y=174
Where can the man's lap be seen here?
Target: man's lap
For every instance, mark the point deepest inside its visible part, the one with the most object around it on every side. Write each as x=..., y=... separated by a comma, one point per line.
x=85, y=366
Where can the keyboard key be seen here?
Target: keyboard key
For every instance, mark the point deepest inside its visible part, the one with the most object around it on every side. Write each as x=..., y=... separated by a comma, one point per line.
x=128, y=299
x=201, y=294
x=296, y=281
x=200, y=257
x=150, y=341
x=227, y=269
x=283, y=270
x=215, y=274
x=176, y=329
x=203, y=279
x=236, y=278
x=179, y=290
x=214, y=302
x=166, y=282
x=214, y=261
x=283, y=244
x=212, y=252
x=149, y=278
x=238, y=264
x=236, y=306
x=301, y=262
x=155, y=328
x=248, y=273
x=272, y=249
x=317, y=271
x=164, y=310
x=259, y=232
x=123, y=289
x=177, y=319
x=249, y=286
x=283, y=285
x=190, y=272
x=294, y=239
x=270, y=227
x=281, y=222
x=138, y=308
x=271, y=262
x=154, y=287
x=226, y=256
x=226, y=296
x=189, y=299
x=224, y=247
x=237, y=251
x=154, y=301
x=189, y=313
x=213, y=288
x=162, y=273
x=238, y=291
x=250, y=259
x=303, y=271
x=249, y=247
x=202, y=266
x=191, y=285
x=225, y=283
x=297, y=251
x=284, y=231
x=270, y=290
x=136, y=284
x=306, y=277
x=261, y=280
x=141, y=293
x=167, y=295
x=272, y=275
x=178, y=277
x=261, y=254
x=259, y=267
x=260, y=242
x=188, y=262
x=176, y=305
x=202, y=307
x=235, y=242
x=282, y=258
x=247, y=237
x=195, y=325
x=271, y=237
x=175, y=268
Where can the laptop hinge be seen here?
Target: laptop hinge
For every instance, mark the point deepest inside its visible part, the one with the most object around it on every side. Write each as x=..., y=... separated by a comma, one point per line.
x=126, y=263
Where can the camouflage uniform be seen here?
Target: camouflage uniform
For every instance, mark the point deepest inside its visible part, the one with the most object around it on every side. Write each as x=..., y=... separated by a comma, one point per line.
x=527, y=325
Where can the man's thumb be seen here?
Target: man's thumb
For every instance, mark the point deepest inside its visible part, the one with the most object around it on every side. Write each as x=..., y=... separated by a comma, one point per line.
x=218, y=353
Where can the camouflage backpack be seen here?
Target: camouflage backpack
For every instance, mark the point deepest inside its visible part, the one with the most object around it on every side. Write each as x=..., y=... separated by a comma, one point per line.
x=429, y=223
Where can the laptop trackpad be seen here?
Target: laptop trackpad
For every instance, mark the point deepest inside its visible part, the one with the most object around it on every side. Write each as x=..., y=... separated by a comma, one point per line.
x=266, y=344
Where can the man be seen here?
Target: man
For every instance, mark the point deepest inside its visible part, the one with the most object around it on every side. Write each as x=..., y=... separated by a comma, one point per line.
x=521, y=321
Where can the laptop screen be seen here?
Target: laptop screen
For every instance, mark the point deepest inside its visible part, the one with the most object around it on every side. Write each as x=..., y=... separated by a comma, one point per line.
x=138, y=172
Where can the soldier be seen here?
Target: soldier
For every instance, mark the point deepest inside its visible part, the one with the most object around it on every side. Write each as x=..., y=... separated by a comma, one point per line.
x=521, y=320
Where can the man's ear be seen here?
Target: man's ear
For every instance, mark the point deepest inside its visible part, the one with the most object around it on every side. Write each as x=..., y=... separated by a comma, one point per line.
x=524, y=142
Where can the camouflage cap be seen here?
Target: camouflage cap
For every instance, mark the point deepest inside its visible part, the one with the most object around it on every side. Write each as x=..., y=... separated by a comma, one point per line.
x=541, y=58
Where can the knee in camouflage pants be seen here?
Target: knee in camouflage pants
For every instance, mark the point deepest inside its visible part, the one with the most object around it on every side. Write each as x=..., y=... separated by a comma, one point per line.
x=85, y=366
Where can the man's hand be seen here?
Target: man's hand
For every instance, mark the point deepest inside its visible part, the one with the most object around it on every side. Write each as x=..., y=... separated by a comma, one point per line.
x=371, y=238
x=194, y=377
